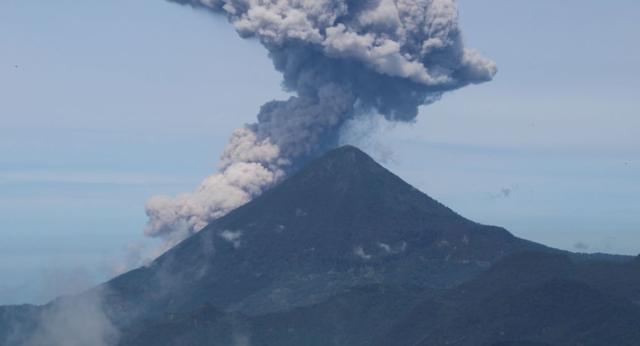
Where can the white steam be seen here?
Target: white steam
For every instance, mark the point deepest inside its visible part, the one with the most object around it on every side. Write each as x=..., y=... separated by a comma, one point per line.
x=246, y=168
x=77, y=321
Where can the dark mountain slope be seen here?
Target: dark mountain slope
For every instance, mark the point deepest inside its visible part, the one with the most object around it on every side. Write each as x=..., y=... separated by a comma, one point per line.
x=16, y=322
x=343, y=221
x=527, y=298
x=357, y=317
x=622, y=281
x=205, y=326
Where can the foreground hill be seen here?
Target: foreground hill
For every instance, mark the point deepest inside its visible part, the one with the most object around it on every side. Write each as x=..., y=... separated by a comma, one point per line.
x=346, y=253
x=525, y=299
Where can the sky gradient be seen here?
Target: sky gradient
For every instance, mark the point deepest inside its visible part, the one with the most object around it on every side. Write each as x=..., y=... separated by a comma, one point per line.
x=107, y=103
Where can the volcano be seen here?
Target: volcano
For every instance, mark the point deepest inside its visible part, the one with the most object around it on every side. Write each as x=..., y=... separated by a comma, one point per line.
x=344, y=252
x=343, y=221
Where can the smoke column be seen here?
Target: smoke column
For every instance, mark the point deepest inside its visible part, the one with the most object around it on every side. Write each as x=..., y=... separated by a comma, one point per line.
x=341, y=59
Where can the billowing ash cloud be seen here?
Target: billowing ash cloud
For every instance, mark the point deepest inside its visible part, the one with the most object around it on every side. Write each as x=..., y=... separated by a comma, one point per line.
x=342, y=59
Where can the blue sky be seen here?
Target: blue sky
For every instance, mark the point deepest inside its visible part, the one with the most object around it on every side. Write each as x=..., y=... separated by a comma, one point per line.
x=105, y=103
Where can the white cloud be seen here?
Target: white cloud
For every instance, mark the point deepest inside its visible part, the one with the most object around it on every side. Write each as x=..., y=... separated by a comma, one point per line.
x=233, y=237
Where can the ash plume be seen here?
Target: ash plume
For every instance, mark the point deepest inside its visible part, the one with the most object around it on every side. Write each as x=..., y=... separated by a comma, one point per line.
x=341, y=59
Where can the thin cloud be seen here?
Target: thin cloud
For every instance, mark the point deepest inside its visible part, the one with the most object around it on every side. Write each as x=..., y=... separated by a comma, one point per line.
x=87, y=178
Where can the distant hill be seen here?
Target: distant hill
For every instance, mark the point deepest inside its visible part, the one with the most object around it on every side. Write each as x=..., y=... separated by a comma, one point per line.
x=346, y=253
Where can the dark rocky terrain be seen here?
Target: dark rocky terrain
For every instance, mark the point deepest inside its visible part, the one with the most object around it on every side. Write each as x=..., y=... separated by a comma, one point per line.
x=346, y=253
